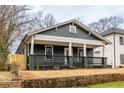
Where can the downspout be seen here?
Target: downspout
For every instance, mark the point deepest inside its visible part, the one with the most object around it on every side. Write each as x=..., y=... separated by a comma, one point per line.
x=114, y=65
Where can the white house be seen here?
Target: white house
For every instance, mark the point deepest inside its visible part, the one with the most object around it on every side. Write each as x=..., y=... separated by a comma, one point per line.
x=114, y=51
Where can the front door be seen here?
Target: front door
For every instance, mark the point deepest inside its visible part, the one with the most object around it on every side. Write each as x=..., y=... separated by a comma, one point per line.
x=66, y=54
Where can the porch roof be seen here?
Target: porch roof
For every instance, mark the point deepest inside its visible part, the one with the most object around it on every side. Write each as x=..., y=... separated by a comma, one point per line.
x=65, y=40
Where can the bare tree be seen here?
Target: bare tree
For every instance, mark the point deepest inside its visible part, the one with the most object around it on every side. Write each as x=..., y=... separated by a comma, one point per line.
x=42, y=21
x=106, y=23
x=49, y=20
x=116, y=21
x=13, y=21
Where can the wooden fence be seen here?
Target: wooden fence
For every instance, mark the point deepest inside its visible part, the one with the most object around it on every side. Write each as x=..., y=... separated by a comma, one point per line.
x=21, y=60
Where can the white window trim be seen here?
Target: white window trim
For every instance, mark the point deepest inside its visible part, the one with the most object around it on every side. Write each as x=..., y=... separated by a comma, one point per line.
x=70, y=29
x=52, y=51
x=78, y=51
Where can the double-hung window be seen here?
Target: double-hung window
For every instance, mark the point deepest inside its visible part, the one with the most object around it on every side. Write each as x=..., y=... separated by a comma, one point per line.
x=72, y=29
x=49, y=52
x=121, y=41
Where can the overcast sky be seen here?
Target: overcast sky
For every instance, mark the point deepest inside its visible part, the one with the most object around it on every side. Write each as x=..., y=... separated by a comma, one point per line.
x=87, y=13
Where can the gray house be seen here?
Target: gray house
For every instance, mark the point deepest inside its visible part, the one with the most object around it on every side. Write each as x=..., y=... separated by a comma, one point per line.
x=65, y=44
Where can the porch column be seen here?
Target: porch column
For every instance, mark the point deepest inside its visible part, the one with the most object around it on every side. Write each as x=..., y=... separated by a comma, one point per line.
x=103, y=47
x=85, y=58
x=70, y=48
x=32, y=45
x=85, y=52
x=70, y=61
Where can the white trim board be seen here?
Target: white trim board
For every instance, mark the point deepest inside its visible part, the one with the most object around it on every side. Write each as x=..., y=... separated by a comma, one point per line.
x=68, y=39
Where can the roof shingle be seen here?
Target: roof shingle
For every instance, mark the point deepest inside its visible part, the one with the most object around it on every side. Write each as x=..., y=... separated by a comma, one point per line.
x=112, y=30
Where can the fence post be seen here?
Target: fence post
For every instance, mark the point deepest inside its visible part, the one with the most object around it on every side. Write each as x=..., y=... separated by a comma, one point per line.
x=85, y=62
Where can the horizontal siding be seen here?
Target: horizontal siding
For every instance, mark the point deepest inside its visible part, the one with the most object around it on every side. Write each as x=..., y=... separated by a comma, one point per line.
x=64, y=31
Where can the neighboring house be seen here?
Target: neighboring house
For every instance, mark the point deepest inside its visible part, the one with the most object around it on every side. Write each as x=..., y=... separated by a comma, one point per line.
x=114, y=51
x=66, y=44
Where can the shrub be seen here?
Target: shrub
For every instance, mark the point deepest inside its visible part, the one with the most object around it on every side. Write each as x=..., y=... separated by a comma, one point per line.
x=14, y=68
x=121, y=66
x=3, y=59
x=90, y=66
x=72, y=67
x=37, y=67
x=56, y=67
x=104, y=66
x=3, y=66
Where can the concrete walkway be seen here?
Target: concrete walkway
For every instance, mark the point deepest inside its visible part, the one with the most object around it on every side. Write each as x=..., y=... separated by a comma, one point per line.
x=67, y=73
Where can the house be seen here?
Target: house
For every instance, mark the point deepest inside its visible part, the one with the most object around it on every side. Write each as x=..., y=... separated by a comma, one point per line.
x=65, y=44
x=114, y=51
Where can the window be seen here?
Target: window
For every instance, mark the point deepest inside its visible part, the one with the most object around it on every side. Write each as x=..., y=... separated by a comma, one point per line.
x=80, y=53
x=121, y=58
x=72, y=29
x=49, y=52
x=121, y=41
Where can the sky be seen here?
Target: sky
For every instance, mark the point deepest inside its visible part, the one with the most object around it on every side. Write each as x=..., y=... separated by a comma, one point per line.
x=87, y=13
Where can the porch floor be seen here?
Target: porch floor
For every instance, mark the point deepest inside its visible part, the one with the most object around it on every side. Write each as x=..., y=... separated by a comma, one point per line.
x=67, y=73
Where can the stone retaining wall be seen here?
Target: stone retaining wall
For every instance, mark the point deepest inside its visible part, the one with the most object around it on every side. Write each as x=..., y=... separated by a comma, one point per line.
x=71, y=81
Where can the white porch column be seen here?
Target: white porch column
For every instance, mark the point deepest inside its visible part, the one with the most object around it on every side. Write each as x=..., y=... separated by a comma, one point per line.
x=32, y=45
x=85, y=52
x=103, y=51
x=70, y=48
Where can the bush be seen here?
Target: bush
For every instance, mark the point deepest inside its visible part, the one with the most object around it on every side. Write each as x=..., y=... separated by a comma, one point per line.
x=90, y=66
x=14, y=68
x=37, y=67
x=104, y=66
x=56, y=67
x=3, y=64
x=121, y=66
x=72, y=67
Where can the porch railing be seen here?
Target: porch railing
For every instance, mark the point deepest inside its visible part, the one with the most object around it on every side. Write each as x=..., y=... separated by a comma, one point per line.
x=65, y=61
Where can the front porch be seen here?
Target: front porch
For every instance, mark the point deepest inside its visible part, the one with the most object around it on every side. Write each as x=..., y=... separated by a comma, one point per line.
x=63, y=52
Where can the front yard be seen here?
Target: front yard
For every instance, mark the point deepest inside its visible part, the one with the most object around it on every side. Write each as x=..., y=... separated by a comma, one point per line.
x=116, y=84
x=69, y=78
x=67, y=73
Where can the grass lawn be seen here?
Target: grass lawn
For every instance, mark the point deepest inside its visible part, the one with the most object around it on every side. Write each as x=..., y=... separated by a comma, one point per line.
x=116, y=84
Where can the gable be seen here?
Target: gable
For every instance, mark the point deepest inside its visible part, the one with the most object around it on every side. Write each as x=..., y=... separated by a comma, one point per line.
x=64, y=32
